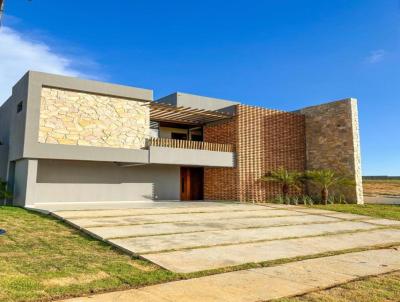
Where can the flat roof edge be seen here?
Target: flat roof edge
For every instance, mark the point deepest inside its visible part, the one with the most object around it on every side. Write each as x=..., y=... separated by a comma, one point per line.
x=89, y=86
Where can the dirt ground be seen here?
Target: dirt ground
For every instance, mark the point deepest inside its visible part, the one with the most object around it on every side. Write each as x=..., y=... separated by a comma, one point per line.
x=381, y=187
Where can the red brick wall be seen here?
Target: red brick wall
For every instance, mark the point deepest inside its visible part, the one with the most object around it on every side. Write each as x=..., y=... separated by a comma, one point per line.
x=221, y=183
x=264, y=140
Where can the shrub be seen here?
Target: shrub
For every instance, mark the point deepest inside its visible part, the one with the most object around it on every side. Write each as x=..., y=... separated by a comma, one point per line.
x=286, y=179
x=325, y=179
x=4, y=193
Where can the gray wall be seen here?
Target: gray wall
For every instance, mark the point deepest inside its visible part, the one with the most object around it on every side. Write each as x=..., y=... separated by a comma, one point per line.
x=80, y=181
x=4, y=138
x=18, y=125
x=191, y=157
x=12, y=126
x=24, y=127
x=196, y=101
x=24, y=181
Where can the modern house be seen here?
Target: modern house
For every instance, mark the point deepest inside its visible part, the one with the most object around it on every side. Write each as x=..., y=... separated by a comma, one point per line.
x=68, y=140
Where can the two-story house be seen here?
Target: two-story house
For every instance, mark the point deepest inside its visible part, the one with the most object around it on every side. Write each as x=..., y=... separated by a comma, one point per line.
x=68, y=140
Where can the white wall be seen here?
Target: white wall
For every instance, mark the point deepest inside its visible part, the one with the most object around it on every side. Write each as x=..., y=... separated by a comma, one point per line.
x=165, y=132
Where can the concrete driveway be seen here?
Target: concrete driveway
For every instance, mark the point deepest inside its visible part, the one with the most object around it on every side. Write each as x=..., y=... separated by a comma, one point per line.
x=188, y=237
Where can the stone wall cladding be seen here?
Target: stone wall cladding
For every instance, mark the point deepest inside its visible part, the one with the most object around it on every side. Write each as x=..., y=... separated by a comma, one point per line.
x=332, y=139
x=221, y=183
x=78, y=118
x=357, y=152
x=264, y=140
x=268, y=139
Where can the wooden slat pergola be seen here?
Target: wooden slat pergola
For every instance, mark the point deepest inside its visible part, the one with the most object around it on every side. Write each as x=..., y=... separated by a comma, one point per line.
x=162, y=112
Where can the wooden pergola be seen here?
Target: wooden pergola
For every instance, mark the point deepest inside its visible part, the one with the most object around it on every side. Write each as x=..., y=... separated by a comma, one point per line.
x=162, y=112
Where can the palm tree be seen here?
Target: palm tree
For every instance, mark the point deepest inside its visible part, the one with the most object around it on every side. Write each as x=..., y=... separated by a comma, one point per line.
x=325, y=179
x=286, y=179
x=4, y=193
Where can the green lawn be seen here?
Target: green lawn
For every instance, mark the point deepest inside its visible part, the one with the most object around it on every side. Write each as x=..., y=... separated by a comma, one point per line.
x=374, y=289
x=381, y=211
x=383, y=288
x=41, y=258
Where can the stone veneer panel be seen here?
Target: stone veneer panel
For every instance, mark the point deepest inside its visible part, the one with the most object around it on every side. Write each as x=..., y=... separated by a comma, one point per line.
x=333, y=142
x=79, y=118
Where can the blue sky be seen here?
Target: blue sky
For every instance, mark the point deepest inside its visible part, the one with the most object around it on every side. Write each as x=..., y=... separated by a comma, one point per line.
x=278, y=54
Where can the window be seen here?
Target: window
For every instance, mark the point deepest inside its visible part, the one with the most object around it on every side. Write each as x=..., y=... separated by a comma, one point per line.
x=19, y=107
x=154, y=129
x=182, y=136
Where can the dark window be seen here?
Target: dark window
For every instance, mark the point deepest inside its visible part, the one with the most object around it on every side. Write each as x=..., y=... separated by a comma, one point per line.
x=19, y=107
x=175, y=135
x=196, y=134
x=197, y=138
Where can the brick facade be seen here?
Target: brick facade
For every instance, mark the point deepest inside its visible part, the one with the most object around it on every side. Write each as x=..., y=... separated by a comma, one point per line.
x=264, y=140
x=268, y=139
x=221, y=183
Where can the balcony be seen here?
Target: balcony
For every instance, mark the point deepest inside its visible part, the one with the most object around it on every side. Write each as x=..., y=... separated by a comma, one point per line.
x=187, y=144
x=191, y=153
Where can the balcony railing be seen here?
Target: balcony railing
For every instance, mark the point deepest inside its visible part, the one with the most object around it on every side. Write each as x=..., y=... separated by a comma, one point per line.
x=186, y=144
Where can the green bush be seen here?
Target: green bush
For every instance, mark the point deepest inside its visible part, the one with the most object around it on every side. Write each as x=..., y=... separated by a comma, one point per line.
x=324, y=180
x=5, y=195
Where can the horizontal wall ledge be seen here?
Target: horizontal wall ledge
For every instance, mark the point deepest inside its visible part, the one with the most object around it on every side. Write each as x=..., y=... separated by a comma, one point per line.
x=191, y=157
x=73, y=152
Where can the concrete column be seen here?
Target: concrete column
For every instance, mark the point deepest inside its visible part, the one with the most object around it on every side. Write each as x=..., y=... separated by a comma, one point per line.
x=25, y=182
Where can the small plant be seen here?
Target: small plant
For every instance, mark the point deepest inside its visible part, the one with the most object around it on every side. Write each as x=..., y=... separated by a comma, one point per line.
x=286, y=179
x=326, y=179
x=295, y=200
x=306, y=200
x=340, y=199
x=4, y=193
x=331, y=199
x=292, y=200
x=279, y=199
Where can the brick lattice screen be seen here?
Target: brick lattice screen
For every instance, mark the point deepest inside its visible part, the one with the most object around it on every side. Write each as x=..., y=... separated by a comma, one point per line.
x=264, y=140
x=268, y=139
x=221, y=183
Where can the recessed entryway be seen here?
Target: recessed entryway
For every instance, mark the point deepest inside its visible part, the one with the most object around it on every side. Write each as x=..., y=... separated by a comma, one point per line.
x=191, y=183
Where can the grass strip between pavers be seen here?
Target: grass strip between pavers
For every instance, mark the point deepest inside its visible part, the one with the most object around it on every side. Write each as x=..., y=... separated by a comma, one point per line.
x=265, y=240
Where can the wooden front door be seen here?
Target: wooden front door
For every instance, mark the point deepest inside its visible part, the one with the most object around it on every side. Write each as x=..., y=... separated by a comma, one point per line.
x=191, y=183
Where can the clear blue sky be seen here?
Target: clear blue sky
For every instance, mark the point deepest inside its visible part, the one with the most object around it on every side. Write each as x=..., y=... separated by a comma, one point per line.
x=278, y=54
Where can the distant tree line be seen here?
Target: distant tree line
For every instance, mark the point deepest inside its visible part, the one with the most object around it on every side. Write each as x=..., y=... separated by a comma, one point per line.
x=380, y=177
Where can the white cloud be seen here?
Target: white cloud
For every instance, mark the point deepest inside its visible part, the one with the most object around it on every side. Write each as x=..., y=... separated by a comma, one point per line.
x=376, y=56
x=18, y=54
